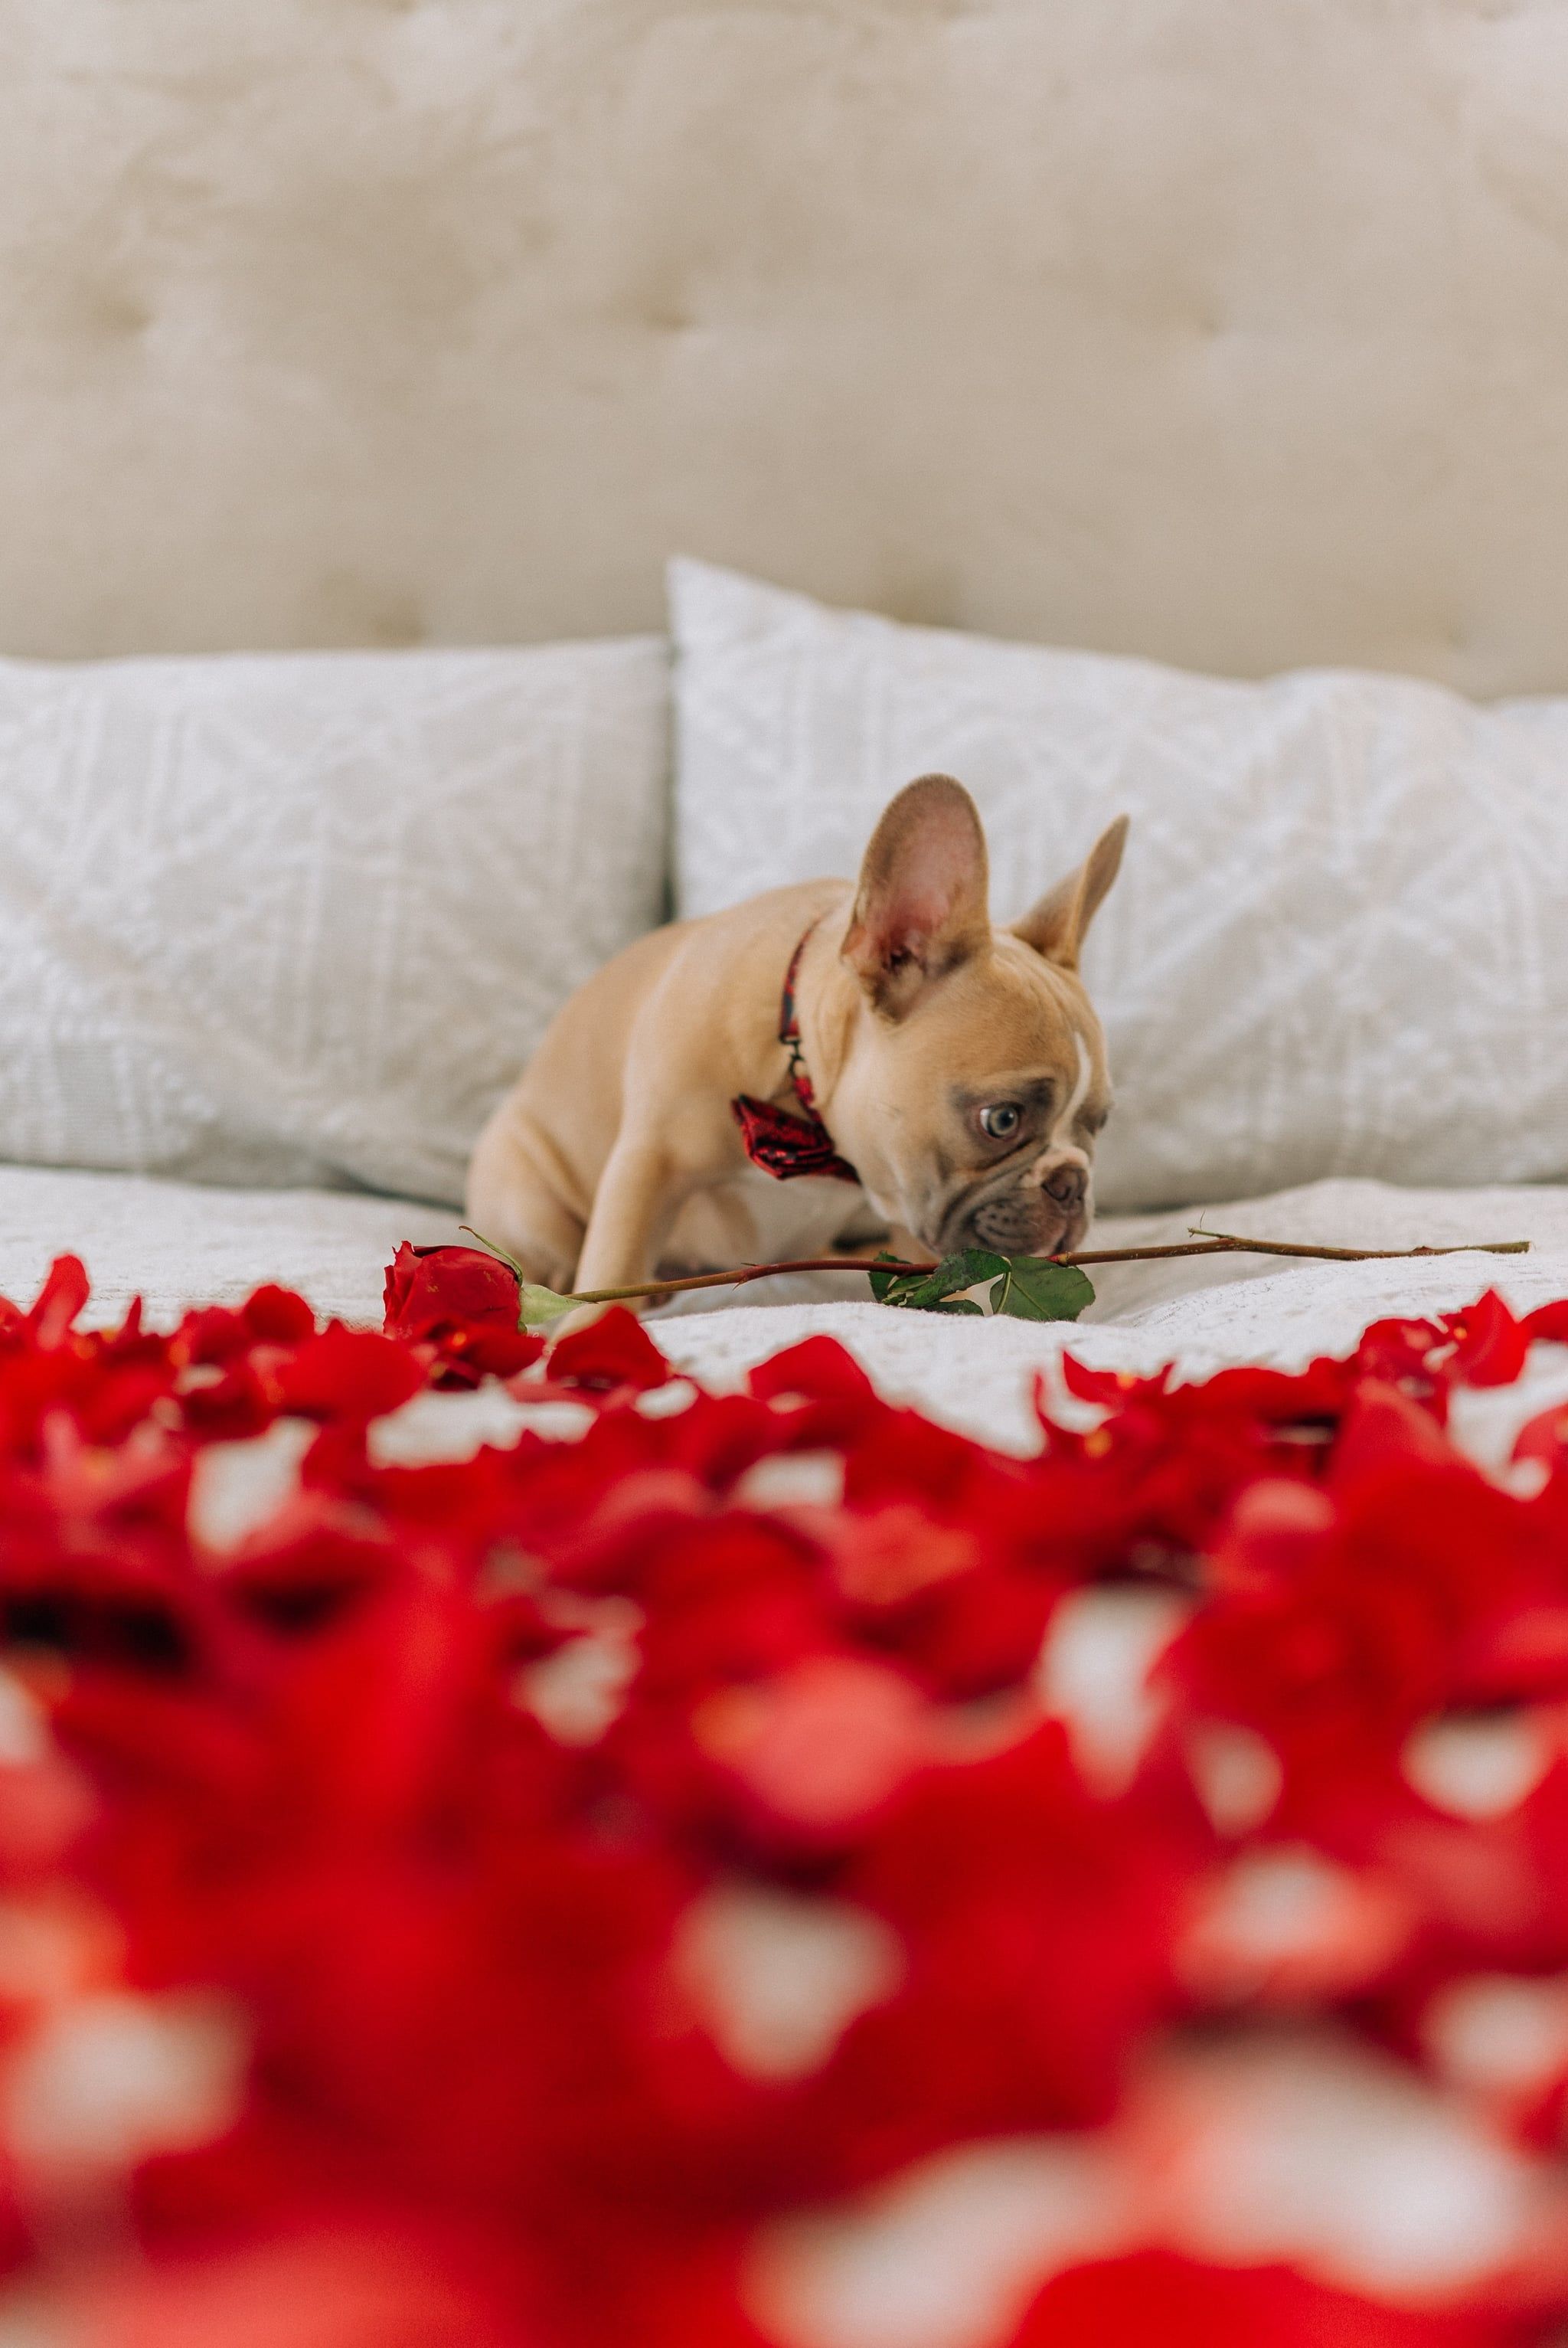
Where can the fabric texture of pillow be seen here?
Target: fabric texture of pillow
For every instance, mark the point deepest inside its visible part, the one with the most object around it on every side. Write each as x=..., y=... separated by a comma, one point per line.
x=1340, y=942
x=301, y=918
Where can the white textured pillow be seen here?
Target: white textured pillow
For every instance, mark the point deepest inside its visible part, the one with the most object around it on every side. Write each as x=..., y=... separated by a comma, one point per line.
x=1339, y=943
x=300, y=918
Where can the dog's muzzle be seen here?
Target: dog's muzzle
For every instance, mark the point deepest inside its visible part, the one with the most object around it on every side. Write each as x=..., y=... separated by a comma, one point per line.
x=1042, y=1211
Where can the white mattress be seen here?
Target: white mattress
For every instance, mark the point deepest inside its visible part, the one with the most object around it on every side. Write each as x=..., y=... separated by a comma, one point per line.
x=176, y=1244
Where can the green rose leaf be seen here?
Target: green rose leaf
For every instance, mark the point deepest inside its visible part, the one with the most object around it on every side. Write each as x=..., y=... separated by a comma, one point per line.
x=937, y=1290
x=883, y=1282
x=1033, y=1288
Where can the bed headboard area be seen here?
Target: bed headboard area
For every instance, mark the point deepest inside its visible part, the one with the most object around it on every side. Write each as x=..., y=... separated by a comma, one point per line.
x=1235, y=334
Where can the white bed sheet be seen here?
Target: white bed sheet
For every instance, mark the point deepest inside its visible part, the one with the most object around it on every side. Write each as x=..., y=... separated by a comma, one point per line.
x=176, y=1244
x=179, y=1244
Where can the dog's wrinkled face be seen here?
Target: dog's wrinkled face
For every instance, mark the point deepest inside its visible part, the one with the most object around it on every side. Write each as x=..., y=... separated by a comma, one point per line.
x=976, y=1082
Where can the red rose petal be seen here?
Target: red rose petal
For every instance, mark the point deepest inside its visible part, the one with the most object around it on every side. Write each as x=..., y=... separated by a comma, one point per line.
x=1490, y=1346
x=613, y=1353
x=350, y=1374
x=395, y=1809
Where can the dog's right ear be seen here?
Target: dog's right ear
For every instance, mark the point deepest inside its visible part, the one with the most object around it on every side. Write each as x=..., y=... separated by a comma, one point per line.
x=920, y=907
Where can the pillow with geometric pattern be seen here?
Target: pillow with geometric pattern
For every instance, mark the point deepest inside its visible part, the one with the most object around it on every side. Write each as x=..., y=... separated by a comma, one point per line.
x=301, y=918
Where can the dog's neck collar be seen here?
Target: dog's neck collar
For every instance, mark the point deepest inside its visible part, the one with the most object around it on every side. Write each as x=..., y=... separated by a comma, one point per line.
x=781, y=1143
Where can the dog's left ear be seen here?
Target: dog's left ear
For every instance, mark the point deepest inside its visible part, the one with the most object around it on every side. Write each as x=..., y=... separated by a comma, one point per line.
x=920, y=908
x=1058, y=925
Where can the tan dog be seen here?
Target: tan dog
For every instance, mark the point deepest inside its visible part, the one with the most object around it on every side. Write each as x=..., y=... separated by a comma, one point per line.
x=883, y=1035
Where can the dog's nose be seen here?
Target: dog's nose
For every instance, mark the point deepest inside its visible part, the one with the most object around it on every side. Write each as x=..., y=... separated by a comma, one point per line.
x=1066, y=1186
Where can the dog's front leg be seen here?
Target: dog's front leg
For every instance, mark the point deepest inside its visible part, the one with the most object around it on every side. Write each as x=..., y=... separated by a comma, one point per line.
x=640, y=1193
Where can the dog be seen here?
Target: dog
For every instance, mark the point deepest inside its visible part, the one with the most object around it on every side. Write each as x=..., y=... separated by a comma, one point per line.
x=825, y=1067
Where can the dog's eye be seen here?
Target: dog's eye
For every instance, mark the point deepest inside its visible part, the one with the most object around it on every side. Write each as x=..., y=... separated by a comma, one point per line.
x=1001, y=1120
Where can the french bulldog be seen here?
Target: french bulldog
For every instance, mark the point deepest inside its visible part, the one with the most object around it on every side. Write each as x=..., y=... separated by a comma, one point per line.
x=822, y=1068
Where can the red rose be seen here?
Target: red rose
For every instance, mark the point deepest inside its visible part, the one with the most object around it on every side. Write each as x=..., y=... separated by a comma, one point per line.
x=428, y=1288
x=466, y=1303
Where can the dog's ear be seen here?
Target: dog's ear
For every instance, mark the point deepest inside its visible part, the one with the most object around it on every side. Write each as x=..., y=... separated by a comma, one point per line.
x=1058, y=925
x=921, y=904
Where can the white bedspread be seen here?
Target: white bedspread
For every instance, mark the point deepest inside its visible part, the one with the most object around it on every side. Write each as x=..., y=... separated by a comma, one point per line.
x=176, y=1244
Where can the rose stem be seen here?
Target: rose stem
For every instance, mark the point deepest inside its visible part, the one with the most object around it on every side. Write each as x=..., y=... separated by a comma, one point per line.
x=1210, y=1243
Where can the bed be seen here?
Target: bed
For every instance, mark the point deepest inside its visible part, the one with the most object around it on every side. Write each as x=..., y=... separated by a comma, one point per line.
x=181, y=1245
x=794, y=1825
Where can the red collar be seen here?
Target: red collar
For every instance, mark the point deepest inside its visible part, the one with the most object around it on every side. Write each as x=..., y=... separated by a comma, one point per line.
x=781, y=1144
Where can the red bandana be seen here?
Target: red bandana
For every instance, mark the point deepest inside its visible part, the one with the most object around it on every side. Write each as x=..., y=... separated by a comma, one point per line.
x=781, y=1143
